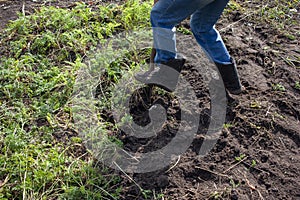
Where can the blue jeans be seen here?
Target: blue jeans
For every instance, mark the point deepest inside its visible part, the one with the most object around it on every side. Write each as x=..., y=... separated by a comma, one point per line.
x=166, y=14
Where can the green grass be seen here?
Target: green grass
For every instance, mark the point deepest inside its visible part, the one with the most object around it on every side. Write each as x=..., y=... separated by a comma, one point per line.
x=39, y=157
x=278, y=15
x=297, y=85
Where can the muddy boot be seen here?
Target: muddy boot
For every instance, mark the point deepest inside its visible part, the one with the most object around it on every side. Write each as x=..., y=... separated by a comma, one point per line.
x=230, y=77
x=164, y=75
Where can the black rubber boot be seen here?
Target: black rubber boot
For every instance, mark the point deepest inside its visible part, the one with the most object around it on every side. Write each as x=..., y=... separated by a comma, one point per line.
x=230, y=77
x=164, y=75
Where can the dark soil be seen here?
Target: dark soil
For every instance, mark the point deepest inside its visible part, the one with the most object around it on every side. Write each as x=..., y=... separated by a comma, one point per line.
x=265, y=125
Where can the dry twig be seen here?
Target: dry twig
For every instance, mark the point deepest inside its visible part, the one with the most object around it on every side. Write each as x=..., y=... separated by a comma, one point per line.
x=212, y=172
x=236, y=164
x=174, y=164
x=2, y=183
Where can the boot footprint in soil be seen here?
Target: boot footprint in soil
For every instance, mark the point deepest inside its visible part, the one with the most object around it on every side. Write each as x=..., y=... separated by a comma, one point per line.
x=230, y=77
x=164, y=75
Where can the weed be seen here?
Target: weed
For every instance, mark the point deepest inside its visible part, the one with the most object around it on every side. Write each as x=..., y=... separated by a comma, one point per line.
x=158, y=196
x=227, y=125
x=278, y=87
x=146, y=193
x=233, y=6
x=253, y=163
x=134, y=15
x=234, y=184
x=276, y=114
x=240, y=158
x=215, y=195
x=184, y=30
x=297, y=85
x=255, y=104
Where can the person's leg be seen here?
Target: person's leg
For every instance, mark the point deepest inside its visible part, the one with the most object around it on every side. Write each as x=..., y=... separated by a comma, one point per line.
x=202, y=25
x=165, y=15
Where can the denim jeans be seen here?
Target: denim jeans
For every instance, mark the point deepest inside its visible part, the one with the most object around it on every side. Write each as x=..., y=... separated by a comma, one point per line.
x=166, y=14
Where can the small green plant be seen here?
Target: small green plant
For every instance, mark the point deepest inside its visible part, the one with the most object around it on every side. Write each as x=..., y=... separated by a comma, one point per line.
x=278, y=87
x=158, y=196
x=253, y=163
x=233, y=6
x=290, y=36
x=255, y=104
x=184, y=30
x=215, y=195
x=234, y=184
x=276, y=114
x=297, y=85
x=240, y=158
x=146, y=193
x=227, y=125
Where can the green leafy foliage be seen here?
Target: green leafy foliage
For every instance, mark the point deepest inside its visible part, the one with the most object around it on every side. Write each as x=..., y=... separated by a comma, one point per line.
x=297, y=85
x=240, y=158
x=278, y=87
x=43, y=52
